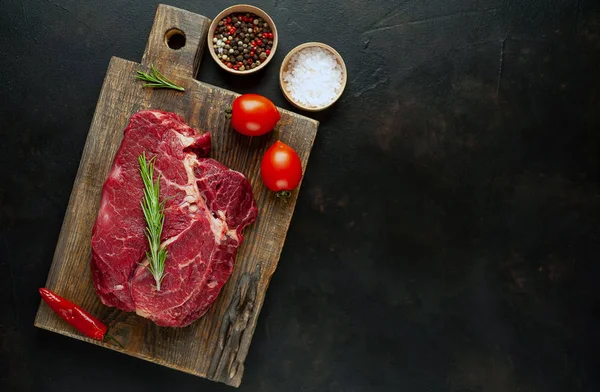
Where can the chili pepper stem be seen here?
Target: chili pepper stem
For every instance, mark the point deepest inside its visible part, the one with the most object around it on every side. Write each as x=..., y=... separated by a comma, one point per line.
x=109, y=338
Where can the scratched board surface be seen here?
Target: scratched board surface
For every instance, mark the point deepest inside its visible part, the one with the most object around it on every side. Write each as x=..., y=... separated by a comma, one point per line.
x=216, y=345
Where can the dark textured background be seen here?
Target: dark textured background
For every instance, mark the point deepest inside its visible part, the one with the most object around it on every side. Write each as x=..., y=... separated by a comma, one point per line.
x=447, y=234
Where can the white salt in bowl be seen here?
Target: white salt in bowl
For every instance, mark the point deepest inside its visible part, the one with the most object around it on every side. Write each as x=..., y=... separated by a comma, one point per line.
x=285, y=67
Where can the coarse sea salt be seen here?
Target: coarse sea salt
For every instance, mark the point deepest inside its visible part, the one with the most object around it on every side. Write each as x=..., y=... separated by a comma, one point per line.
x=313, y=77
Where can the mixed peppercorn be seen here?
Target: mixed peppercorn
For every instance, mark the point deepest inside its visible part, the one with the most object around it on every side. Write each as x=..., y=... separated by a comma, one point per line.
x=243, y=41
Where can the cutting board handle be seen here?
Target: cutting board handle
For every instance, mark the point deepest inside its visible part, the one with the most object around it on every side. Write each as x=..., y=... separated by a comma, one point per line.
x=173, y=27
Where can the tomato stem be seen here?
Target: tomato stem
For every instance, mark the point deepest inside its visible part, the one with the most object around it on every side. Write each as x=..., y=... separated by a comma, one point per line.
x=228, y=111
x=284, y=195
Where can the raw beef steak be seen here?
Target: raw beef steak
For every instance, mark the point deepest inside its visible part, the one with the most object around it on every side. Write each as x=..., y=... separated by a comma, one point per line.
x=207, y=207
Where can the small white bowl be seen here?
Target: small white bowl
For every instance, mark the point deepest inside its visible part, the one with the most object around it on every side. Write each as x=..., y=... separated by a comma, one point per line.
x=284, y=67
x=242, y=8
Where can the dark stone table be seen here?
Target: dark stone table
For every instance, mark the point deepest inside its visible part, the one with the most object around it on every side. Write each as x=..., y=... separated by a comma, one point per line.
x=447, y=234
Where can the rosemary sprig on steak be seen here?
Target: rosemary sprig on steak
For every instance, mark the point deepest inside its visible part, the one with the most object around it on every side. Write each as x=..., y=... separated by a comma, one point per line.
x=155, y=217
x=155, y=79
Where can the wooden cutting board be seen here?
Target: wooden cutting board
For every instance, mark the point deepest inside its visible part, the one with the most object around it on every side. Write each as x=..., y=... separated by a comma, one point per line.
x=216, y=345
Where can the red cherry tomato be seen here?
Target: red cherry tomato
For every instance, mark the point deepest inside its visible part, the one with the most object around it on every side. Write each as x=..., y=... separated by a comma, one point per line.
x=280, y=168
x=253, y=115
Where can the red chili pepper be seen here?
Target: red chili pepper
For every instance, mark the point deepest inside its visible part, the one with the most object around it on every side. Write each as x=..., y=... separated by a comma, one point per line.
x=84, y=322
x=74, y=315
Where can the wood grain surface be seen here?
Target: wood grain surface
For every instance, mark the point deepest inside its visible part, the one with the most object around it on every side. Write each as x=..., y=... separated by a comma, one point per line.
x=216, y=345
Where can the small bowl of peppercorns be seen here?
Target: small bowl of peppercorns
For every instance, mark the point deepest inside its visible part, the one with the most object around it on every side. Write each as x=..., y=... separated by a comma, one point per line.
x=242, y=39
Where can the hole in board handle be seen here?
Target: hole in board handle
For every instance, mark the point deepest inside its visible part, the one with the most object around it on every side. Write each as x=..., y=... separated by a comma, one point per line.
x=175, y=39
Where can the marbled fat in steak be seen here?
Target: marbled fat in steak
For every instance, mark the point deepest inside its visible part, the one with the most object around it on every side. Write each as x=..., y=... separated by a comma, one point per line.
x=207, y=207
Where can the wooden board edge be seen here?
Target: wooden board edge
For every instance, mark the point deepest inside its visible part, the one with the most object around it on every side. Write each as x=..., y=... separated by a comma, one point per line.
x=245, y=344
x=67, y=333
x=264, y=280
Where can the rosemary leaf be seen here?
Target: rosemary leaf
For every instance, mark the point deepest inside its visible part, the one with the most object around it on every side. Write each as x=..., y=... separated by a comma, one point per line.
x=156, y=79
x=154, y=213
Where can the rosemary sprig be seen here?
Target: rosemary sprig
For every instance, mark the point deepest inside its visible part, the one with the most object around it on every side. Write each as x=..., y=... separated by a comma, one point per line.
x=157, y=80
x=154, y=213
